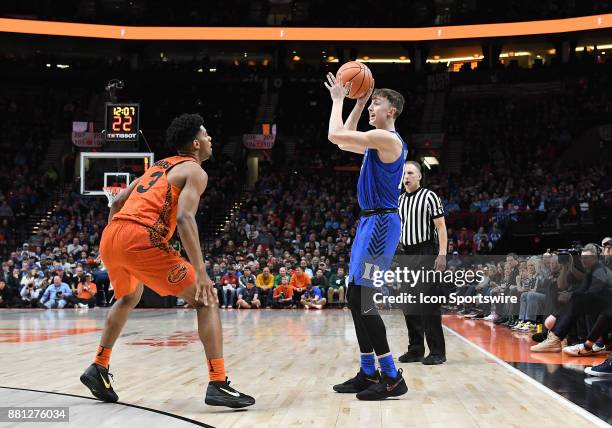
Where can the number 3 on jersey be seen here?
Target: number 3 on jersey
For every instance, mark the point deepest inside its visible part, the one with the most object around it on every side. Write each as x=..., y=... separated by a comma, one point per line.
x=155, y=176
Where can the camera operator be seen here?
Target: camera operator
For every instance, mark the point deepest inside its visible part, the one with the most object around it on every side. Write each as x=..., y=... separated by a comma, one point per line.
x=56, y=294
x=85, y=292
x=593, y=297
x=30, y=294
x=8, y=297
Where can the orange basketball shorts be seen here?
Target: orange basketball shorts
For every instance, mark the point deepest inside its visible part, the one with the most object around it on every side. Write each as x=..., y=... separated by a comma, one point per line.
x=131, y=256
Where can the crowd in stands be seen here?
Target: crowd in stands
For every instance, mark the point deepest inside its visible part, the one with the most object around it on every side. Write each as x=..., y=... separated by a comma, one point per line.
x=301, y=12
x=30, y=116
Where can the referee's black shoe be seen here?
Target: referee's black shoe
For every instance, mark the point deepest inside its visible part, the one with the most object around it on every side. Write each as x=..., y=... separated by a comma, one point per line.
x=412, y=356
x=387, y=387
x=97, y=379
x=358, y=383
x=219, y=393
x=434, y=360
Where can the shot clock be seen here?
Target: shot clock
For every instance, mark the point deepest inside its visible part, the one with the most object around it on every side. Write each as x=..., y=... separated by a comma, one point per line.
x=121, y=122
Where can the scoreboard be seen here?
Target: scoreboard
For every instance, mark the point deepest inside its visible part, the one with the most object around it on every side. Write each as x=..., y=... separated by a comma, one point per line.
x=121, y=122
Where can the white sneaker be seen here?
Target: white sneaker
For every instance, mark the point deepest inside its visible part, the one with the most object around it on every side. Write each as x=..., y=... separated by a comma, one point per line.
x=598, y=349
x=518, y=326
x=83, y=306
x=527, y=327
x=580, y=351
x=491, y=317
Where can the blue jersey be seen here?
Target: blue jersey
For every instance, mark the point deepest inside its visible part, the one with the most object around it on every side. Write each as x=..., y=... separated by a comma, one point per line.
x=379, y=183
x=378, y=235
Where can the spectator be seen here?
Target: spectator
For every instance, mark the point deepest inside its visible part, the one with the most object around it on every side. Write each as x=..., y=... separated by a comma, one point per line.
x=313, y=298
x=246, y=276
x=606, y=244
x=283, y=295
x=594, y=297
x=265, y=283
x=85, y=293
x=248, y=297
x=282, y=273
x=8, y=297
x=229, y=283
x=56, y=294
x=337, y=287
x=320, y=281
x=30, y=295
x=299, y=281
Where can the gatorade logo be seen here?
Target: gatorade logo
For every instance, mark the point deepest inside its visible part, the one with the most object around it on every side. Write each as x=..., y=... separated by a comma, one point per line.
x=177, y=273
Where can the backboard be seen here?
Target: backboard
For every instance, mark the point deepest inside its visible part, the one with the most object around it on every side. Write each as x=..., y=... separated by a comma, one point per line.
x=100, y=169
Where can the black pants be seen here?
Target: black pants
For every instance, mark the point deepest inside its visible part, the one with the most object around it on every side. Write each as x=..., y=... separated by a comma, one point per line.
x=602, y=326
x=75, y=300
x=369, y=326
x=580, y=304
x=424, y=321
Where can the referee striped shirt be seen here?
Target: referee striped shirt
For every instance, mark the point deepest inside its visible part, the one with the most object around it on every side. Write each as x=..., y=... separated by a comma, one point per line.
x=417, y=211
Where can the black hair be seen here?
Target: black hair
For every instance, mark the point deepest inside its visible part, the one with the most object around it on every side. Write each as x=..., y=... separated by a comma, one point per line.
x=183, y=130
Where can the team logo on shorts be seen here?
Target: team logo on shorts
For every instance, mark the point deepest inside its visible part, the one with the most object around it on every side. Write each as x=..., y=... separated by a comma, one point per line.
x=177, y=273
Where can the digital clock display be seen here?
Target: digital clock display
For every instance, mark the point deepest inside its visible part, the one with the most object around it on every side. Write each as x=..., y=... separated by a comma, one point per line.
x=122, y=122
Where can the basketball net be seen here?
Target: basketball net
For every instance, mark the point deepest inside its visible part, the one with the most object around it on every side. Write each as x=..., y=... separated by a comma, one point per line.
x=111, y=193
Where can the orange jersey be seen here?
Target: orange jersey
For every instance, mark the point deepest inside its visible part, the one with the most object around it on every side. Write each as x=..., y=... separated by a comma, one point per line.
x=153, y=203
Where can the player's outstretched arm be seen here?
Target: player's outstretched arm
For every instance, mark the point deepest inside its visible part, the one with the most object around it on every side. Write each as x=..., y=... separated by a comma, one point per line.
x=121, y=198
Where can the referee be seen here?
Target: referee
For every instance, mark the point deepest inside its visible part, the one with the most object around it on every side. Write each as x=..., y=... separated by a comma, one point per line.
x=422, y=219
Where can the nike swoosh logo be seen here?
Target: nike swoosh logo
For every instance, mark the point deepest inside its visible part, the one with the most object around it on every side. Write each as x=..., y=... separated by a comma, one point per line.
x=235, y=394
x=365, y=312
x=392, y=387
x=106, y=384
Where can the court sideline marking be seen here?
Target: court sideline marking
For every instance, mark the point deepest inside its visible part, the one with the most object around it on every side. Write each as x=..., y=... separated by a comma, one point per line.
x=172, y=415
x=552, y=394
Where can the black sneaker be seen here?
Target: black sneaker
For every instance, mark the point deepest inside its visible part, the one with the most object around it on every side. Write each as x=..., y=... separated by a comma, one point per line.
x=540, y=337
x=219, y=393
x=501, y=320
x=358, y=383
x=97, y=379
x=387, y=387
x=411, y=357
x=434, y=360
x=602, y=370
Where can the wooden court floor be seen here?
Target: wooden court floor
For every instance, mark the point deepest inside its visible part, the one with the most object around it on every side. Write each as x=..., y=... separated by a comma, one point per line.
x=287, y=359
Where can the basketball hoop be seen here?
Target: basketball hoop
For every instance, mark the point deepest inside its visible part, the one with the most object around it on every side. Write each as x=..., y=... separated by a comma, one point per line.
x=111, y=193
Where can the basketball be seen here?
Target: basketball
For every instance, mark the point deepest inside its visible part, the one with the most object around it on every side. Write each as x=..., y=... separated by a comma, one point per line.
x=360, y=77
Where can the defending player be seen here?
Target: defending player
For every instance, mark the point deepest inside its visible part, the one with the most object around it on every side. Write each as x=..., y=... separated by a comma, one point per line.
x=135, y=250
x=378, y=233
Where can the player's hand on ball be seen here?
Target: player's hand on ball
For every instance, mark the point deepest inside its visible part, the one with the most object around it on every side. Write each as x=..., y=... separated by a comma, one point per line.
x=336, y=88
x=363, y=100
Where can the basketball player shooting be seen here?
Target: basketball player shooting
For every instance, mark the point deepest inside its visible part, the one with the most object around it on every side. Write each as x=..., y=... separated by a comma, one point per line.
x=378, y=232
x=135, y=250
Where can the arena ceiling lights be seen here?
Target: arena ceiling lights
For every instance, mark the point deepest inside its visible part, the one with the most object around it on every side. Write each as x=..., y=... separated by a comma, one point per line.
x=306, y=34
